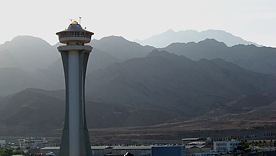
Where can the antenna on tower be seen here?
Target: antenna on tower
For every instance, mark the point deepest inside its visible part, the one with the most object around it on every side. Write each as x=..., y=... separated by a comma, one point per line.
x=79, y=20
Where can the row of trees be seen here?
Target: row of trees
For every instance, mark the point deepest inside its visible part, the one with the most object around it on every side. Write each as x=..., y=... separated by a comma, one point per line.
x=5, y=152
x=9, y=152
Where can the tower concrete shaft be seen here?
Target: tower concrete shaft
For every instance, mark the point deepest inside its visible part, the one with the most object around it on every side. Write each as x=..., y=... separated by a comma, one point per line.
x=75, y=136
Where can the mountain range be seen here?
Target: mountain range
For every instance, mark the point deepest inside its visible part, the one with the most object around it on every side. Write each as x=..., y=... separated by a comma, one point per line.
x=258, y=59
x=133, y=85
x=159, y=88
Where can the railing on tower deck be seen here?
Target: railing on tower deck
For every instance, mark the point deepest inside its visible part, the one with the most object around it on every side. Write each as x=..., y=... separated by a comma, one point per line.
x=75, y=34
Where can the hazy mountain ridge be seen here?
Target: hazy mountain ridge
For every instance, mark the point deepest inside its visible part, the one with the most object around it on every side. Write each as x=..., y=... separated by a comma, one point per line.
x=40, y=63
x=172, y=87
x=161, y=71
x=258, y=59
x=170, y=36
x=20, y=81
x=121, y=48
x=28, y=53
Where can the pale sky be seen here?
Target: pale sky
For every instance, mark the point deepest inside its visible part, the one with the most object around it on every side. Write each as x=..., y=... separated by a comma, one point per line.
x=252, y=20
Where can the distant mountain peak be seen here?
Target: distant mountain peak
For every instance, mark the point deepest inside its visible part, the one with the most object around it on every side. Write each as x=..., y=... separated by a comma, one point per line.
x=26, y=39
x=28, y=53
x=170, y=31
x=19, y=37
x=121, y=48
x=170, y=36
x=163, y=53
x=113, y=37
x=112, y=40
x=211, y=41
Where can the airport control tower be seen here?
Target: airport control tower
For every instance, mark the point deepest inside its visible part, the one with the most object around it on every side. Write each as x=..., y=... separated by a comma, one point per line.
x=75, y=136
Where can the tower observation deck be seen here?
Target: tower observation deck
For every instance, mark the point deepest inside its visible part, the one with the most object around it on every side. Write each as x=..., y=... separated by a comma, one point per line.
x=74, y=34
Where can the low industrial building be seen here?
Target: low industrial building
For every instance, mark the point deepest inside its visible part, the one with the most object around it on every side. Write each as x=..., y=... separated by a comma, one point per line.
x=121, y=150
x=225, y=146
x=168, y=151
x=2, y=143
x=32, y=142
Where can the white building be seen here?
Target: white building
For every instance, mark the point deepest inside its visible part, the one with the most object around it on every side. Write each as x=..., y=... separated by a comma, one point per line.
x=32, y=142
x=211, y=153
x=225, y=146
x=2, y=143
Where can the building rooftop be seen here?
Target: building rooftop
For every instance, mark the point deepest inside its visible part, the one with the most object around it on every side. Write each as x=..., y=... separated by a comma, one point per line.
x=74, y=34
x=50, y=148
x=74, y=22
x=197, y=143
x=190, y=139
x=100, y=147
x=194, y=146
x=74, y=26
x=132, y=147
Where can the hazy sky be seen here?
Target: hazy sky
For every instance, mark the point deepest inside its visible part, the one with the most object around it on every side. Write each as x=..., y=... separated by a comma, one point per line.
x=253, y=20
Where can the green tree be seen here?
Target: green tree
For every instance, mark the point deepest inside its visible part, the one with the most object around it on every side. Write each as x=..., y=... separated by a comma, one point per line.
x=5, y=152
x=243, y=145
